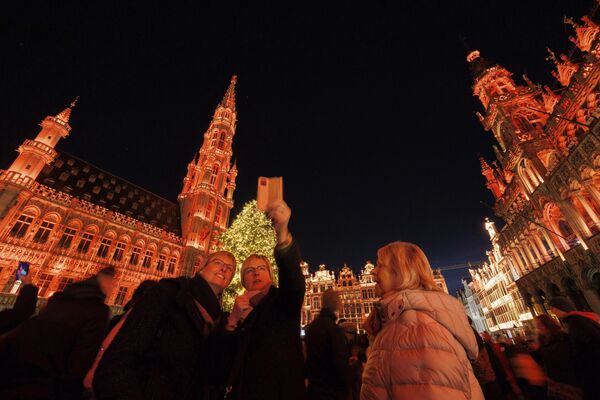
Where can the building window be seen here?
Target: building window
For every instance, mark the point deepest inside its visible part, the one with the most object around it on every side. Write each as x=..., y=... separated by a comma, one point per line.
x=213, y=176
x=120, y=299
x=43, y=283
x=171, y=267
x=147, y=259
x=21, y=226
x=42, y=234
x=120, y=249
x=104, y=246
x=67, y=238
x=160, y=265
x=84, y=243
x=222, y=140
x=64, y=281
x=135, y=256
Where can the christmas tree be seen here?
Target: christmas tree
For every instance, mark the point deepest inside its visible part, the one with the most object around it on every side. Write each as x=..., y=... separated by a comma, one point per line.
x=250, y=233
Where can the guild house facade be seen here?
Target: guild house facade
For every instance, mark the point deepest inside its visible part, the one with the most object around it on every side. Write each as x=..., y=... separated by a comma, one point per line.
x=68, y=218
x=545, y=182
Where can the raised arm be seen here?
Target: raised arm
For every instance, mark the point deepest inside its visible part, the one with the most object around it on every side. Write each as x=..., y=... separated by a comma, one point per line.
x=287, y=256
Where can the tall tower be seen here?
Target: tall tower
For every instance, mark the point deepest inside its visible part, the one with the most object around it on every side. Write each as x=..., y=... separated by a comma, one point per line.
x=516, y=115
x=207, y=195
x=33, y=156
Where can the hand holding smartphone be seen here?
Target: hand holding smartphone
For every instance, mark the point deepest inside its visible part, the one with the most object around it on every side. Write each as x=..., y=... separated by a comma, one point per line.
x=22, y=270
x=269, y=190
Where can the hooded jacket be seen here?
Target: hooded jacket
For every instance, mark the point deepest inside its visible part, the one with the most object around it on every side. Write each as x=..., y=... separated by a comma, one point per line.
x=422, y=350
x=48, y=355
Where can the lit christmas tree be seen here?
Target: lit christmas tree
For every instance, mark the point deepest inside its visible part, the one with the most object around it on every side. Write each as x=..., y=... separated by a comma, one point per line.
x=250, y=233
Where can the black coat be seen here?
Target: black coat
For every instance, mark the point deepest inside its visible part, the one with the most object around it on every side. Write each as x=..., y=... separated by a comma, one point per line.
x=47, y=356
x=157, y=352
x=584, y=333
x=273, y=366
x=23, y=309
x=327, y=359
x=555, y=355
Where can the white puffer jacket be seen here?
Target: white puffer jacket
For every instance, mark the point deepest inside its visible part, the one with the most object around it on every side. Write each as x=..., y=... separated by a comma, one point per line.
x=422, y=350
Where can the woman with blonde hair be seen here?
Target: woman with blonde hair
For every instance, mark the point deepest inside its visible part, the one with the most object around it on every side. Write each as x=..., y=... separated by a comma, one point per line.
x=421, y=339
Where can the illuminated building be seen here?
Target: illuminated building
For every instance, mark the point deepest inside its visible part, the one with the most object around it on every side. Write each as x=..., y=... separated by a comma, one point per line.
x=69, y=219
x=357, y=295
x=471, y=302
x=440, y=280
x=545, y=181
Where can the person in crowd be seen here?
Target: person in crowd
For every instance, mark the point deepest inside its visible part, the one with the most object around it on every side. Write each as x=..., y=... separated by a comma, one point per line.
x=24, y=306
x=115, y=325
x=327, y=353
x=157, y=351
x=357, y=357
x=268, y=364
x=504, y=374
x=48, y=355
x=482, y=367
x=554, y=354
x=529, y=374
x=422, y=340
x=137, y=294
x=584, y=335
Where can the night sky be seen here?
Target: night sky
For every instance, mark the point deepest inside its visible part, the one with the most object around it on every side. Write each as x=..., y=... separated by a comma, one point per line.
x=366, y=110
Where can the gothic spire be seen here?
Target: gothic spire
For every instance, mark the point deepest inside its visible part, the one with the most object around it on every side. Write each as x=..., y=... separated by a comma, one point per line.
x=65, y=114
x=229, y=98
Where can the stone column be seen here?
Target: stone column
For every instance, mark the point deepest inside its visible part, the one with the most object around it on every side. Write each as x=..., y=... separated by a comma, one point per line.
x=517, y=261
x=540, y=244
x=594, y=193
x=536, y=251
x=529, y=256
x=578, y=223
x=588, y=209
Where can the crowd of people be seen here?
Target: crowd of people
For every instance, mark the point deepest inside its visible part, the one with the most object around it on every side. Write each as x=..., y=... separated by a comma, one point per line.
x=174, y=341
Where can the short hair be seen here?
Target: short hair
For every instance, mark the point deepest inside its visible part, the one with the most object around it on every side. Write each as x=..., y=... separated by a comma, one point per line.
x=265, y=259
x=408, y=266
x=108, y=271
x=331, y=299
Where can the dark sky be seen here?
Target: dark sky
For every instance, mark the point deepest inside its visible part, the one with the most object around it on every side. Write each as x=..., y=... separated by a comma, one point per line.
x=365, y=108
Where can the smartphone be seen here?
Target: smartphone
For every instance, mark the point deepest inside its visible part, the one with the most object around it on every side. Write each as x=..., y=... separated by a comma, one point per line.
x=269, y=190
x=22, y=270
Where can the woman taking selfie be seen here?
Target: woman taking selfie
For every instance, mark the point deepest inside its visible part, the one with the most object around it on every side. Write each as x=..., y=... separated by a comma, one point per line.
x=158, y=353
x=421, y=339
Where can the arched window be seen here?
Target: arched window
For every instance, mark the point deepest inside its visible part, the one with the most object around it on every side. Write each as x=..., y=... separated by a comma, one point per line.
x=213, y=176
x=20, y=227
x=222, y=140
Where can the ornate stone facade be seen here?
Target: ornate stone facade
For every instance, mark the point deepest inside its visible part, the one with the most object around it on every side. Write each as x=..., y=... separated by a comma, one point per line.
x=357, y=294
x=546, y=184
x=69, y=219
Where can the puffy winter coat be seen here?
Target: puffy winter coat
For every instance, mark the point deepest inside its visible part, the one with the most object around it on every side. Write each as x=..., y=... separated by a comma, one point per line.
x=422, y=350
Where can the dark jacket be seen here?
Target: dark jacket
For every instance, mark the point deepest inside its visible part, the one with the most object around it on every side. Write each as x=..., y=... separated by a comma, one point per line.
x=23, y=309
x=47, y=356
x=157, y=352
x=327, y=358
x=272, y=367
x=555, y=355
x=584, y=333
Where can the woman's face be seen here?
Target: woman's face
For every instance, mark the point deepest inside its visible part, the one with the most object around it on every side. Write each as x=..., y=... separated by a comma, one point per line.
x=219, y=271
x=383, y=278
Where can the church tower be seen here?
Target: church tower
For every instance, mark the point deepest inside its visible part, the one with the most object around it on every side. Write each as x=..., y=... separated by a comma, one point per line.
x=207, y=195
x=33, y=156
